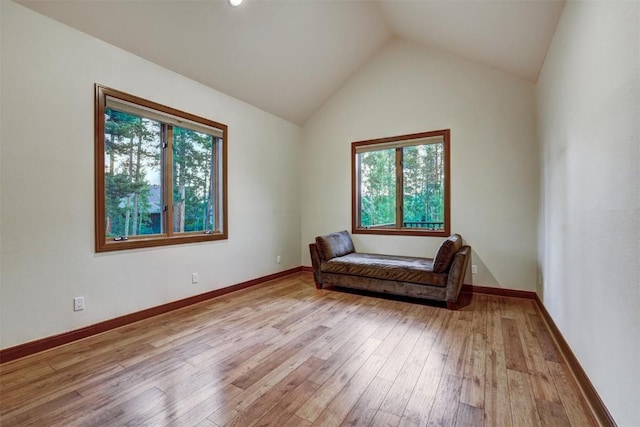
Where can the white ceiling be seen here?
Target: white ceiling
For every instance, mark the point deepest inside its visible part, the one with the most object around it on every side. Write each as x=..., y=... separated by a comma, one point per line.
x=289, y=57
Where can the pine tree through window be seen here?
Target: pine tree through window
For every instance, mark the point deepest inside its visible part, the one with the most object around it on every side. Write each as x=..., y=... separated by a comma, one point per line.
x=160, y=174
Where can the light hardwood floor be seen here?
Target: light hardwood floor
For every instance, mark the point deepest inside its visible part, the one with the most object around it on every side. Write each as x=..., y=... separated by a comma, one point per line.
x=286, y=354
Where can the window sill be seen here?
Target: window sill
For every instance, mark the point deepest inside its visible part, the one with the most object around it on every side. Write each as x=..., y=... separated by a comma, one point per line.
x=401, y=232
x=148, y=242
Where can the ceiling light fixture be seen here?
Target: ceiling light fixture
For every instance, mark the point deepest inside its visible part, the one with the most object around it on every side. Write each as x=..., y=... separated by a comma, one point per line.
x=235, y=3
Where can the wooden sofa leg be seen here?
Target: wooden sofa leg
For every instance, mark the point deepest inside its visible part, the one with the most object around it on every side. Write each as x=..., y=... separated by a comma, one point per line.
x=318, y=285
x=452, y=305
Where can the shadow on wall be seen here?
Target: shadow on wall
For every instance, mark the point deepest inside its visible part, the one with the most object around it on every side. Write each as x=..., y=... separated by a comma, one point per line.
x=483, y=276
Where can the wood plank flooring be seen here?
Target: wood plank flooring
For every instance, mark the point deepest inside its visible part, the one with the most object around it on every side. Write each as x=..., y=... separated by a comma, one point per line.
x=286, y=354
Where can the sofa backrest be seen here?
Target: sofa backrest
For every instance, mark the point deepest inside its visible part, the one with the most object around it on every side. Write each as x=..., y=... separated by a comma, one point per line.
x=446, y=252
x=334, y=245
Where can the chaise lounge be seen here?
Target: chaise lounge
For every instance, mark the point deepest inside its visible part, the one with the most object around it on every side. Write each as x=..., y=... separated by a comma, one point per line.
x=336, y=262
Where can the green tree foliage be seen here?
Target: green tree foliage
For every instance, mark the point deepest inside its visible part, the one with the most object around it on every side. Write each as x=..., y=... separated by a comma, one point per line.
x=378, y=188
x=133, y=182
x=132, y=151
x=192, y=180
x=422, y=181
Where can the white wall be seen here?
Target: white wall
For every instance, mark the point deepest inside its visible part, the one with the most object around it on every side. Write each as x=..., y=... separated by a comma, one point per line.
x=406, y=88
x=47, y=201
x=589, y=127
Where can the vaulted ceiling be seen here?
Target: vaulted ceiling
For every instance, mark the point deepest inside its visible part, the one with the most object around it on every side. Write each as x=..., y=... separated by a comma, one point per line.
x=289, y=57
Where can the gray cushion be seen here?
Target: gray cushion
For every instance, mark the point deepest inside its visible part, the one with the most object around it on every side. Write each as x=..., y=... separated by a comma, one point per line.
x=334, y=245
x=386, y=267
x=446, y=252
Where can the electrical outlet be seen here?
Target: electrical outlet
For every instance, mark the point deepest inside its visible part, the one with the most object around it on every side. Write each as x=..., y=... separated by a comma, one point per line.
x=194, y=278
x=278, y=259
x=78, y=304
x=474, y=269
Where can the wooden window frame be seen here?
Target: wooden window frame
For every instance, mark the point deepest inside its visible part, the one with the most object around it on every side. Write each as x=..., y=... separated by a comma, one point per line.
x=399, y=229
x=168, y=236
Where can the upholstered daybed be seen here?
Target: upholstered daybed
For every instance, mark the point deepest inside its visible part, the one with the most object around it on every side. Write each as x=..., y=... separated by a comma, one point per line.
x=336, y=262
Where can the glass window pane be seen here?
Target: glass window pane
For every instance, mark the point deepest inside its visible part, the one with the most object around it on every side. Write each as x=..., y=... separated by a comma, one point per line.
x=193, y=181
x=378, y=189
x=423, y=184
x=135, y=174
x=133, y=192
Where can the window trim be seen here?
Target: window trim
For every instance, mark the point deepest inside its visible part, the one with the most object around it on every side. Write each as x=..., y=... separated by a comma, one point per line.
x=104, y=244
x=356, y=190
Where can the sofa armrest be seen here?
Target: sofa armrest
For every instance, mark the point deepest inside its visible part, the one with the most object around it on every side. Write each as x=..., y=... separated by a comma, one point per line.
x=456, y=274
x=315, y=263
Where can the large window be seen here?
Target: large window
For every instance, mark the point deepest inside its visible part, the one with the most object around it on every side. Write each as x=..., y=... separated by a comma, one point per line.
x=401, y=185
x=160, y=174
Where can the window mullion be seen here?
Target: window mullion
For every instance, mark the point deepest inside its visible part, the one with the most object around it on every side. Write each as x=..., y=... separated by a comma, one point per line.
x=167, y=179
x=399, y=189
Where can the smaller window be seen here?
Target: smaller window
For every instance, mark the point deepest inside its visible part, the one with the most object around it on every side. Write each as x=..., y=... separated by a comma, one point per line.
x=400, y=185
x=160, y=174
